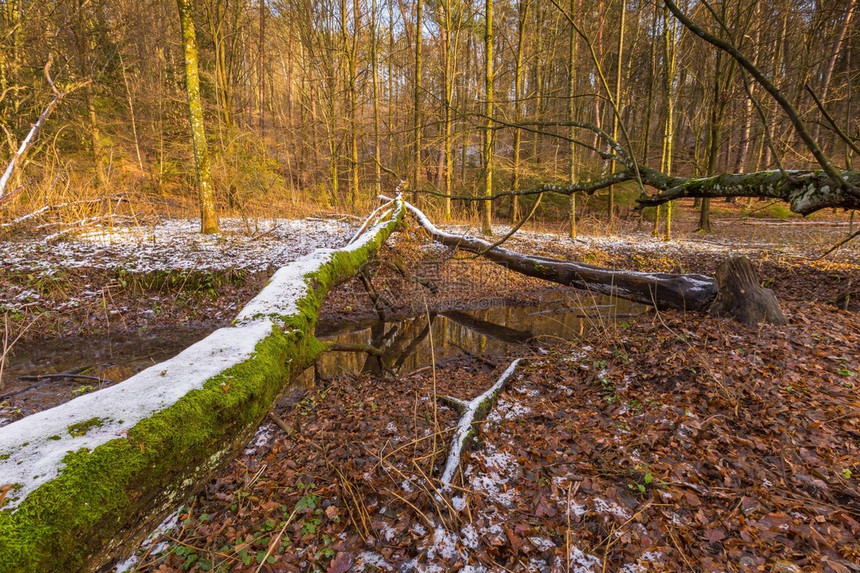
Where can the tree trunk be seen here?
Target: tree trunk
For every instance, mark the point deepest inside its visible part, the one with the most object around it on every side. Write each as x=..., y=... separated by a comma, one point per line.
x=208, y=219
x=662, y=290
x=571, y=117
x=617, y=109
x=522, y=14
x=735, y=291
x=487, y=210
x=416, y=99
x=742, y=297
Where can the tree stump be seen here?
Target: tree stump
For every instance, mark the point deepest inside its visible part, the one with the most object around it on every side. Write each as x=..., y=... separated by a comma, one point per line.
x=741, y=296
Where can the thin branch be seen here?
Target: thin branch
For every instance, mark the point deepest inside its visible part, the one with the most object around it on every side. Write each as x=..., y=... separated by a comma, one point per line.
x=832, y=121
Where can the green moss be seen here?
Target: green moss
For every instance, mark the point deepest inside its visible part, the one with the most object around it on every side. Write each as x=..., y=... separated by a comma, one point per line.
x=104, y=498
x=4, y=457
x=81, y=428
x=771, y=211
x=54, y=437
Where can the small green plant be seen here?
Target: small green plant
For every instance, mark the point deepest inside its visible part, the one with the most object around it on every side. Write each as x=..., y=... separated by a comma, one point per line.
x=846, y=372
x=309, y=526
x=189, y=556
x=642, y=487
x=81, y=390
x=846, y=473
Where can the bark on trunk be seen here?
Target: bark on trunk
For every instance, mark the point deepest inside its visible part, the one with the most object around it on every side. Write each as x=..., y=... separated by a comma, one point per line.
x=742, y=297
x=208, y=218
x=735, y=292
x=662, y=290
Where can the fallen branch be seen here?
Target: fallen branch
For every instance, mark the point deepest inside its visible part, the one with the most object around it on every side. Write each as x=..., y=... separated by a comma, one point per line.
x=33, y=134
x=57, y=207
x=473, y=412
x=64, y=376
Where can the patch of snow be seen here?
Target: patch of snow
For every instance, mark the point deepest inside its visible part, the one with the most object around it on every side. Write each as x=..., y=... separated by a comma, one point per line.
x=651, y=556
x=418, y=529
x=604, y=507
x=166, y=526
x=285, y=288
x=579, y=356
x=530, y=392
x=177, y=244
x=580, y=562
x=470, y=536
x=367, y=559
x=444, y=544
x=501, y=466
x=458, y=502
x=407, y=486
x=507, y=410
x=261, y=438
x=388, y=533
x=542, y=543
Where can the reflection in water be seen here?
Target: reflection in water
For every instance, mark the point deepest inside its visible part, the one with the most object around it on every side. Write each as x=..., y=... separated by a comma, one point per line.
x=406, y=341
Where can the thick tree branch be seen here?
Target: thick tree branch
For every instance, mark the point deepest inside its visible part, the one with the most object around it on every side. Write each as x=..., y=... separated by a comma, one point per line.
x=805, y=191
x=788, y=108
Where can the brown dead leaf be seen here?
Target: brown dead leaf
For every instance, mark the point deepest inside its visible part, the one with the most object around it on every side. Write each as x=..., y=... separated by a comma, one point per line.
x=341, y=563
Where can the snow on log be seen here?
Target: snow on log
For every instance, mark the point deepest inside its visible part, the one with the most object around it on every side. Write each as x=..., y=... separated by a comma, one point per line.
x=88, y=479
x=662, y=290
x=472, y=413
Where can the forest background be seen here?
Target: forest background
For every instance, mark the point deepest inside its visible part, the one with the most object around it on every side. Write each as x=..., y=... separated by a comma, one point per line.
x=326, y=103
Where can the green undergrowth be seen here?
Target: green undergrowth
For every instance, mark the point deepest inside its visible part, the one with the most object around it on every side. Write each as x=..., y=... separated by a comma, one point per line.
x=172, y=280
x=103, y=501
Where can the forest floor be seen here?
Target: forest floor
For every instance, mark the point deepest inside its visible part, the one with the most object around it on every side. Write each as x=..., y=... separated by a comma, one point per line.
x=660, y=442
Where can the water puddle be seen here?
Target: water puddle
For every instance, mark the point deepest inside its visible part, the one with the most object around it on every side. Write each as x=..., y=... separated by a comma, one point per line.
x=477, y=332
x=42, y=375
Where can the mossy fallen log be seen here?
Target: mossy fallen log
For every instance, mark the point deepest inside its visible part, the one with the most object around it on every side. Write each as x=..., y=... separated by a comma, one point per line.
x=90, y=478
x=735, y=292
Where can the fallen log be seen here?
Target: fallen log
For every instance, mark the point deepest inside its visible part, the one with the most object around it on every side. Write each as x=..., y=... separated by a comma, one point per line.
x=472, y=412
x=87, y=480
x=735, y=292
x=662, y=290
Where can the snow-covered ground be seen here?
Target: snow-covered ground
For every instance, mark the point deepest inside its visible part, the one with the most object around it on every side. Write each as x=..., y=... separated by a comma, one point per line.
x=177, y=244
